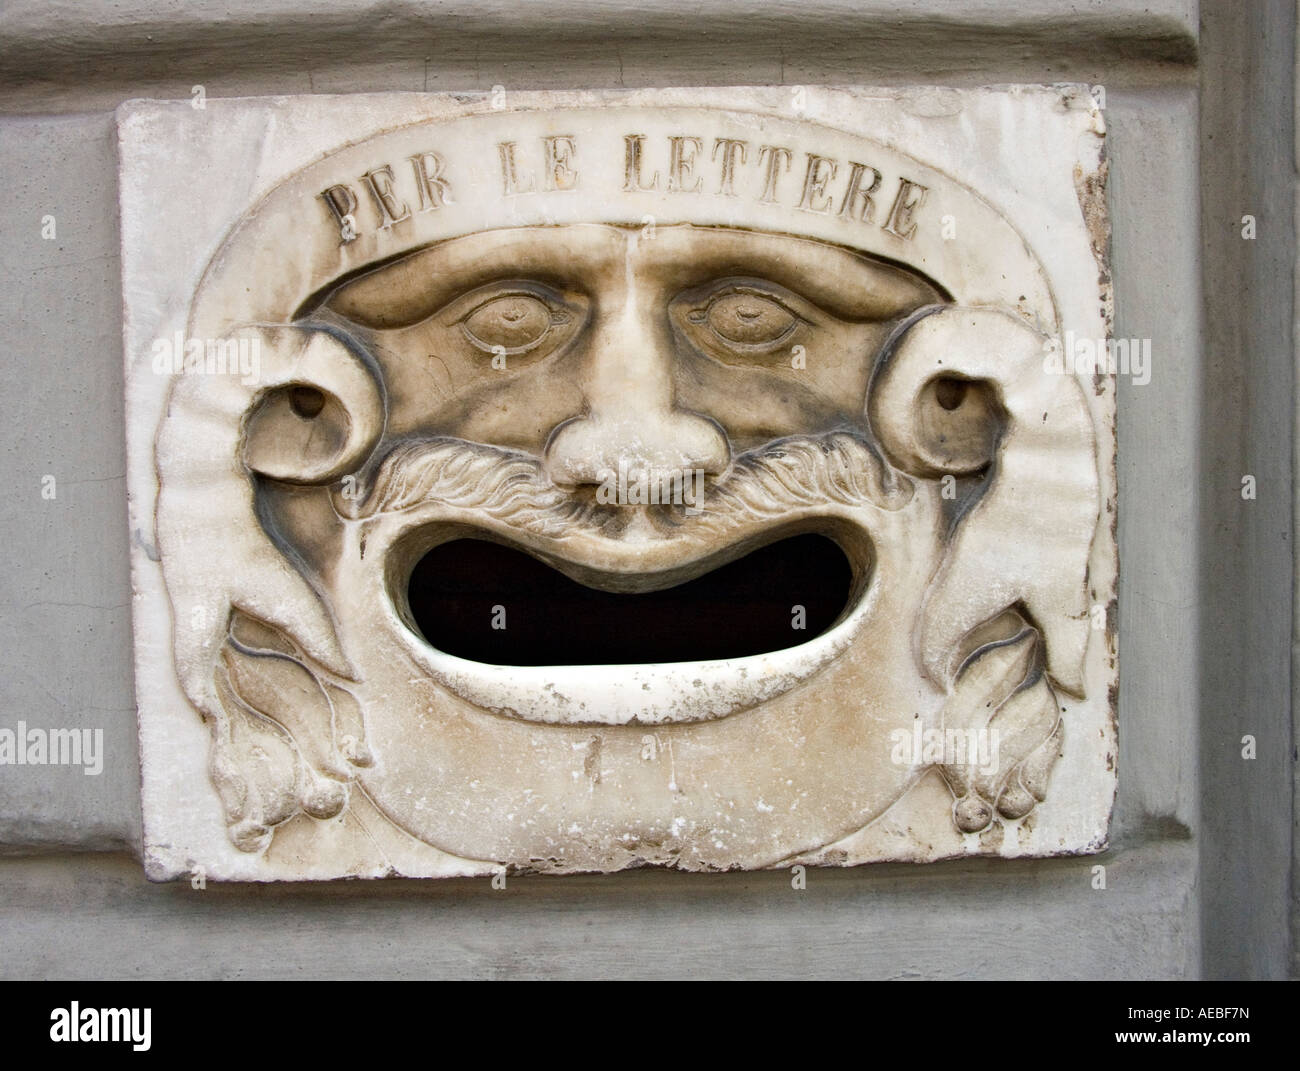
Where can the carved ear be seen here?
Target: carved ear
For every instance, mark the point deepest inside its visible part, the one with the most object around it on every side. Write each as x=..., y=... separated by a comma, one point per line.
x=319, y=413
x=964, y=388
x=304, y=407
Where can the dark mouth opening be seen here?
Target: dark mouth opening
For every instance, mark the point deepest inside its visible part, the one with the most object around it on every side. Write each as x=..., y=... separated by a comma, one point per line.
x=491, y=603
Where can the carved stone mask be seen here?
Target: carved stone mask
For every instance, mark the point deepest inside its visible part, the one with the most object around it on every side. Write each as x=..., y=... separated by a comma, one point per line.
x=625, y=486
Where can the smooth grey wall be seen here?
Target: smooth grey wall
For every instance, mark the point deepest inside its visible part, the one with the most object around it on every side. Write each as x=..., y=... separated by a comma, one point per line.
x=1247, y=546
x=1198, y=106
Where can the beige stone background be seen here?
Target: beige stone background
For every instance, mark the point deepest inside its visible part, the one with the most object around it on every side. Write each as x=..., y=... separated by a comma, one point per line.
x=1200, y=876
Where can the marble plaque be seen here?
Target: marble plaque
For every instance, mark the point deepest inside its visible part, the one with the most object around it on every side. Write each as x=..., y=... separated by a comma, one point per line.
x=701, y=478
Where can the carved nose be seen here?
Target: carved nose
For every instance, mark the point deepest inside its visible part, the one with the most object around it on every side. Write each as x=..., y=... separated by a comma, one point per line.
x=653, y=443
x=631, y=421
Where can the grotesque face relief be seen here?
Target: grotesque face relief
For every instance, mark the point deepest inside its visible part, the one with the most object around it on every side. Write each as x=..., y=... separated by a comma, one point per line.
x=614, y=480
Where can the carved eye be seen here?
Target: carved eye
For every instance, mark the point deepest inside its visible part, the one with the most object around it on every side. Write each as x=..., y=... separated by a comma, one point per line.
x=514, y=323
x=747, y=319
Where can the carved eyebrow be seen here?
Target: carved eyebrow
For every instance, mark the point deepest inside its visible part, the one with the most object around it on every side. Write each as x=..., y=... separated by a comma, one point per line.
x=417, y=286
x=849, y=285
x=846, y=284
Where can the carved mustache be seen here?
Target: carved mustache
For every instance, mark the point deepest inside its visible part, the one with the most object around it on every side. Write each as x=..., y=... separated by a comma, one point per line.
x=769, y=483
